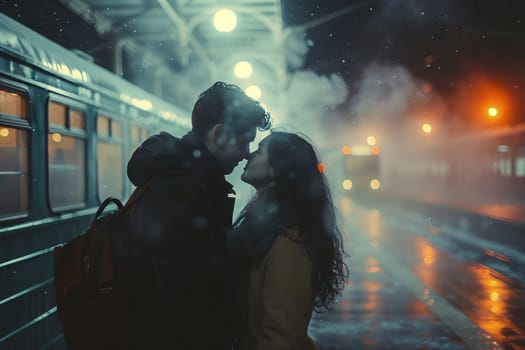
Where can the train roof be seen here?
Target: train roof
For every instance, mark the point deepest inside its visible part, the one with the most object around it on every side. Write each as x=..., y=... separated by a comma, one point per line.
x=23, y=43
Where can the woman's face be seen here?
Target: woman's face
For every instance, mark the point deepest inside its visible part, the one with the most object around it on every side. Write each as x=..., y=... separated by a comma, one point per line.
x=258, y=171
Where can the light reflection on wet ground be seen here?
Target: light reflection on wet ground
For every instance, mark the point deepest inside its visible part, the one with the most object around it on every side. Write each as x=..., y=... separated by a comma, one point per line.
x=407, y=292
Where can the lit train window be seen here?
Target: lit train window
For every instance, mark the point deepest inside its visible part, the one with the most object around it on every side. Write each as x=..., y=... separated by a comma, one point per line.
x=519, y=167
x=66, y=147
x=57, y=114
x=13, y=104
x=76, y=119
x=144, y=134
x=519, y=158
x=135, y=135
x=505, y=167
x=138, y=135
x=116, y=130
x=14, y=155
x=110, y=166
x=102, y=126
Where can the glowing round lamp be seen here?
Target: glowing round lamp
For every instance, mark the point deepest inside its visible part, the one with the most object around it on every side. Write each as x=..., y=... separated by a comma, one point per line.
x=224, y=20
x=493, y=112
x=243, y=70
x=253, y=91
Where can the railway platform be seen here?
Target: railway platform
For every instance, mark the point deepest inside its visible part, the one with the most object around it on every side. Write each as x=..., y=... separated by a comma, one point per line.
x=415, y=284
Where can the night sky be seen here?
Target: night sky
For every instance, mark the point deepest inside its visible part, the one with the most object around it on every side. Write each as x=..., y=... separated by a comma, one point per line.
x=435, y=40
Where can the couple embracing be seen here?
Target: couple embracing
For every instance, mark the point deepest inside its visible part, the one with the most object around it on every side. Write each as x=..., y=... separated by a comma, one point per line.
x=214, y=285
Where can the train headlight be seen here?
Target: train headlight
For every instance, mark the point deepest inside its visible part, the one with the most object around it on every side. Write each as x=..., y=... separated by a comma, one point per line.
x=375, y=184
x=347, y=184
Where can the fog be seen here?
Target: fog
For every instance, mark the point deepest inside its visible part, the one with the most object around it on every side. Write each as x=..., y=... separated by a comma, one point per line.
x=386, y=101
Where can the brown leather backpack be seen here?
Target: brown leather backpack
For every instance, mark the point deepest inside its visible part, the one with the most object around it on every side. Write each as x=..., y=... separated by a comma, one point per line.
x=88, y=304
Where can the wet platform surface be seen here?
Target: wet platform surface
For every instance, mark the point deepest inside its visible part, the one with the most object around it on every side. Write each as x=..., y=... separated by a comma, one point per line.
x=417, y=285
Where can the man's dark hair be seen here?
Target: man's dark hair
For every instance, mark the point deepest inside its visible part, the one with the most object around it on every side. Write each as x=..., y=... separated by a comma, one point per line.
x=227, y=104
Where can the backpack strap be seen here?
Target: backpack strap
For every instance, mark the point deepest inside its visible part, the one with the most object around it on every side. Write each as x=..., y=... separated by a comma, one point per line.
x=93, y=246
x=105, y=203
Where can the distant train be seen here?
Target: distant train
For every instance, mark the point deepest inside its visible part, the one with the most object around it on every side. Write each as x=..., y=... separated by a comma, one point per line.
x=357, y=167
x=361, y=168
x=477, y=168
x=67, y=128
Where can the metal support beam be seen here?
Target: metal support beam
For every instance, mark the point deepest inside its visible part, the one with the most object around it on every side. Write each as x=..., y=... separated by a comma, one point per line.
x=186, y=39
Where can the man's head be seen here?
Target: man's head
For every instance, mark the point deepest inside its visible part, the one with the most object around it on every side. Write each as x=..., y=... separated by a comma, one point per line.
x=227, y=121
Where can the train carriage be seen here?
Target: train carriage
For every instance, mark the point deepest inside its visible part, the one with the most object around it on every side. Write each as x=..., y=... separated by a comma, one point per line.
x=361, y=168
x=482, y=168
x=67, y=128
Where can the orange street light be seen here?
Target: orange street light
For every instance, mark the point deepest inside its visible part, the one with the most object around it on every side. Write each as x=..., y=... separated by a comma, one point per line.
x=492, y=112
x=427, y=128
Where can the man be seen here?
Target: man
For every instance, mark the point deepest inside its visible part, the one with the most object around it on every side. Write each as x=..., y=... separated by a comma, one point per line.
x=183, y=215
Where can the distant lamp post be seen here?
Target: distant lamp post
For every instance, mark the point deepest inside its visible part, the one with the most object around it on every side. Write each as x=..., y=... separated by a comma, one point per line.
x=492, y=112
x=243, y=70
x=225, y=20
x=253, y=91
x=371, y=140
x=427, y=128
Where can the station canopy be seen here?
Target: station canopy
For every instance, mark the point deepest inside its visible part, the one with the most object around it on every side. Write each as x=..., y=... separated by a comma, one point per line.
x=182, y=32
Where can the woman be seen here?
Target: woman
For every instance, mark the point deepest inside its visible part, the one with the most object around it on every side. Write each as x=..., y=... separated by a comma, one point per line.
x=288, y=238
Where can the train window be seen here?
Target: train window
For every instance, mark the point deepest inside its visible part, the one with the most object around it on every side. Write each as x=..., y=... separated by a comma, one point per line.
x=14, y=155
x=13, y=171
x=13, y=104
x=57, y=114
x=116, y=129
x=76, y=119
x=144, y=134
x=138, y=135
x=110, y=159
x=505, y=167
x=66, y=146
x=519, y=167
x=102, y=126
x=135, y=135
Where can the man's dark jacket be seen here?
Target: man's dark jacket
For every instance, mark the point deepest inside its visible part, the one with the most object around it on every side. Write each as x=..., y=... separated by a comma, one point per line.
x=182, y=219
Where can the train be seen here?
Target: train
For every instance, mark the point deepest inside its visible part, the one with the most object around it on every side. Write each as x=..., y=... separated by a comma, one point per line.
x=478, y=170
x=475, y=168
x=355, y=168
x=361, y=169
x=67, y=129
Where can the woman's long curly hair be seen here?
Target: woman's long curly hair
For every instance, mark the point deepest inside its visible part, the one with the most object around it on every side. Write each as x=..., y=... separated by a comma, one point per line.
x=301, y=184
